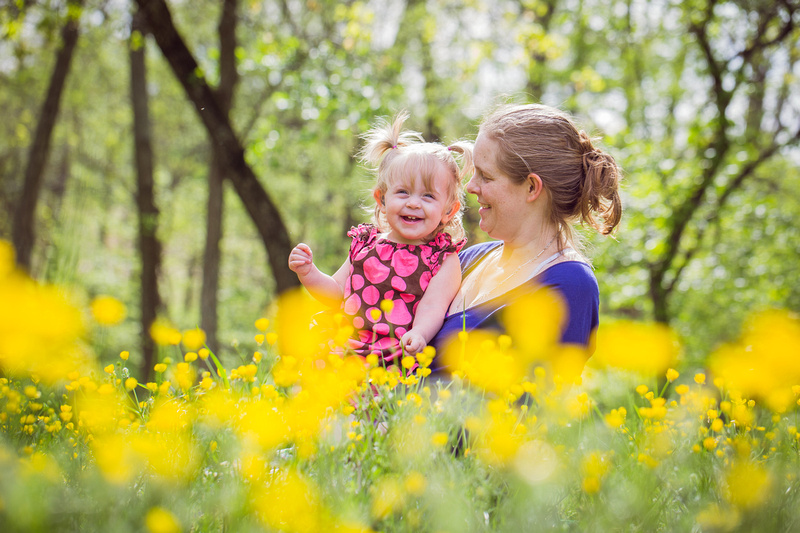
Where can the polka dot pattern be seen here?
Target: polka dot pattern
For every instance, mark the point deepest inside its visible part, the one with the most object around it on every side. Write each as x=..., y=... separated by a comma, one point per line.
x=385, y=270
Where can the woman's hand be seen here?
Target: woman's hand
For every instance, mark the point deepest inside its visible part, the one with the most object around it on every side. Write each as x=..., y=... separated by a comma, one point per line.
x=301, y=260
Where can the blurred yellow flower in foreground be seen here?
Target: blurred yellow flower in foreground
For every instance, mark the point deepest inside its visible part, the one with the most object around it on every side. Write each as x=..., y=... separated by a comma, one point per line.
x=645, y=348
x=164, y=333
x=40, y=329
x=293, y=322
x=764, y=362
x=748, y=485
x=159, y=520
x=108, y=311
x=534, y=322
x=290, y=502
x=485, y=362
x=194, y=339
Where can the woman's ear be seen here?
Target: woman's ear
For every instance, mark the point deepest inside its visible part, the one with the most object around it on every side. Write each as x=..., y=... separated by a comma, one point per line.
x=379, y=199
x=535, y=186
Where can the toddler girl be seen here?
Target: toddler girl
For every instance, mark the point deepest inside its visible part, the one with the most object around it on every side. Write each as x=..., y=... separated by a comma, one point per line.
x=408, y=255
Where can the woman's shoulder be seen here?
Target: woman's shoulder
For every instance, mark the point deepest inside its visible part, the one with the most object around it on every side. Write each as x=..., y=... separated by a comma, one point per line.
x=472, y=254
x=574, y=278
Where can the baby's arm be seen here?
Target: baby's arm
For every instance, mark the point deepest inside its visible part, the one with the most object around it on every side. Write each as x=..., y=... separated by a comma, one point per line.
x=433, y=306
x=327, y=289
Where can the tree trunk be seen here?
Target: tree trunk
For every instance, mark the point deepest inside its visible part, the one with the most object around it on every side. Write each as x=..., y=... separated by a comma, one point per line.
x=259, y=205
x=216, y=175
x=23, y=231
x=149, y=246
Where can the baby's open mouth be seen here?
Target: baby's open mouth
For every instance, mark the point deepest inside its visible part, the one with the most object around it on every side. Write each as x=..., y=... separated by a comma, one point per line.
x=410, y=219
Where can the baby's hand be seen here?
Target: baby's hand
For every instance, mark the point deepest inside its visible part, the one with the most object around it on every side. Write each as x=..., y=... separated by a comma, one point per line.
x=412, y=342
x=301, y=260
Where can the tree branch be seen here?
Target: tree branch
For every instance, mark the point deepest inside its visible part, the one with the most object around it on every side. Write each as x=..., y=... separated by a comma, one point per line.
x=259, y=205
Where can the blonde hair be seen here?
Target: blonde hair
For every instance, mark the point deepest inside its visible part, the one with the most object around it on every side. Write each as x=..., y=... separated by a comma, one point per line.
x=581, y=181
x=397, y=154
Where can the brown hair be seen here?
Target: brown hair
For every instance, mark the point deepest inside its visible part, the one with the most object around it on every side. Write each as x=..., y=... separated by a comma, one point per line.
x=397, y=154
x=582, y=181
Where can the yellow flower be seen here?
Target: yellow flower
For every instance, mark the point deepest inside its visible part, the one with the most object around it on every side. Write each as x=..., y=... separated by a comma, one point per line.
x=203, y=353
x=408, y=362
x=439, y=439
x=672, y=375
x=642, y=390
x=194, y=339
x=375, y=314
x=131, y=383
x=259, y=339
x=124, y=355
x=164, y=334
x=107, y=310
x=415, y=483
x=388, y=497
x=709, y=443
x=682, y=389
x=590, y=485
x=748, y=485
x=190, y=357
x=621, y=345
x=616, y=417
x=109, y=369
x=262, y=324
x=160, y=367
x=159, y=520
x=387, y=306
x=700, y=378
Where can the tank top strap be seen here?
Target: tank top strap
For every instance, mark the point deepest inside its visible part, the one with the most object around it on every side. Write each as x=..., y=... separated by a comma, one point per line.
x=547, y=262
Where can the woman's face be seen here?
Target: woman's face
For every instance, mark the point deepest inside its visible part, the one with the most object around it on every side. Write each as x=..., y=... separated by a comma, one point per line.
x=503, y=202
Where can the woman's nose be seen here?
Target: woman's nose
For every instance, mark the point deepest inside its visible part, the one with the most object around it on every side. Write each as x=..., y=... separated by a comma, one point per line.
x=472, y=187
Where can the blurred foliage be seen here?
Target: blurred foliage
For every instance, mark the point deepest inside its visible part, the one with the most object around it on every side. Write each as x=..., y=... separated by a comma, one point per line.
x=646, y=77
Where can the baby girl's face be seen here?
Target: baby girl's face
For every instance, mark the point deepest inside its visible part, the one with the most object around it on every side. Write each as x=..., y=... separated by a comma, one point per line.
x=415, y=212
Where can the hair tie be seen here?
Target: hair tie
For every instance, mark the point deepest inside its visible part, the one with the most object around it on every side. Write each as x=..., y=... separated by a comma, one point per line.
x=394, y=146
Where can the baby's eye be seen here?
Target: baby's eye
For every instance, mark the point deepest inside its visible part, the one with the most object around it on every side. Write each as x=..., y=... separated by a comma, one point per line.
x=430, y=196
x=401, y=191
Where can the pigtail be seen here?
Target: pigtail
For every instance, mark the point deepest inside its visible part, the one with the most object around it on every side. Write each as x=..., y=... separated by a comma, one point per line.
x=467, y=166
x=600, y=190
x=385, y=136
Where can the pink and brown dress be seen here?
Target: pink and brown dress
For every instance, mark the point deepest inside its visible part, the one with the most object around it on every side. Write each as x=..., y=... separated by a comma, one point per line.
x=386, y=270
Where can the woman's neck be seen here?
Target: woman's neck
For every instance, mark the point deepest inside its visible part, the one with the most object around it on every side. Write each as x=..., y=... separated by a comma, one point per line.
x=519, y=250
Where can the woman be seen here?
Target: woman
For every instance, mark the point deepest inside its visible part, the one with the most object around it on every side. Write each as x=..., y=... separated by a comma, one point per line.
x=536, y=174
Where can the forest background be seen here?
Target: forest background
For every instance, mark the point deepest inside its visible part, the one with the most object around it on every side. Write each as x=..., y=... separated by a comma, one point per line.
x=171, y=154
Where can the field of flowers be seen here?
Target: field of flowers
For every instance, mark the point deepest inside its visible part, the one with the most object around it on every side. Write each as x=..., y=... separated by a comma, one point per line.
x=523, y=437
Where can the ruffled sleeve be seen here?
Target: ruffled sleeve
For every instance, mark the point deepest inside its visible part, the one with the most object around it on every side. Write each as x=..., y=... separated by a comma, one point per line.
x=362, y=235
x=435, y=251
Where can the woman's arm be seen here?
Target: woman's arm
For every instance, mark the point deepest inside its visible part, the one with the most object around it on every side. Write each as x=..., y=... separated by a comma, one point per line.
x=327, y=289
x=433, y=306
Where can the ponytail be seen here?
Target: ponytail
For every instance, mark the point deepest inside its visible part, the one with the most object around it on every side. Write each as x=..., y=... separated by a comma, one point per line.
x=600, y=190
